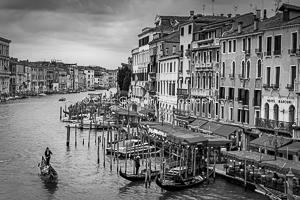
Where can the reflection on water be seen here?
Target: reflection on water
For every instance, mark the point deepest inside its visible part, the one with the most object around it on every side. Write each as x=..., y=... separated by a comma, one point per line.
x=50, y=186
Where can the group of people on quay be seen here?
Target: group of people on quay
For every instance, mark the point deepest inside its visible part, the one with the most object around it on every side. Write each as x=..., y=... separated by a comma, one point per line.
x=177, y=158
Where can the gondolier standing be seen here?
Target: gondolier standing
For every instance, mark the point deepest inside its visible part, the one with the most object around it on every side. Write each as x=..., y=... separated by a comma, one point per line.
x=48, y=154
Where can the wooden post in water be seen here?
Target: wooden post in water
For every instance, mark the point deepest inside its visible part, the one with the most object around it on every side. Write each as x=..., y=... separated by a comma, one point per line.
x=118, y=149
x=123, y=136
x=155, y=152
x=245, y=171
x=104, y=152
x=60, y=113
x=181, y=156
x=194, y=168
x=89, y=134
x=214, y=166
x=192, y=160
x=65, y=110
x=207, y=163
x=96, y=126
x=126, y=158
x=98, y=160
x=111, y=150
x=146, y=173
x=75, y=135
x=68, y=135
x=186, y=163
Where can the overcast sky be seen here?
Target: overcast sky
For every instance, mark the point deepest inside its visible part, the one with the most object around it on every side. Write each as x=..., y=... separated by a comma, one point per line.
x=95, y=32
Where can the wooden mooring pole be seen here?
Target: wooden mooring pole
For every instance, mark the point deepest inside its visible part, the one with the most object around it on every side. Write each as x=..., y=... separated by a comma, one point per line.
x=89, y=134
x=104, y=152
x=75, y=135
x=68, y=135
x=98, y=161
x=60, y=113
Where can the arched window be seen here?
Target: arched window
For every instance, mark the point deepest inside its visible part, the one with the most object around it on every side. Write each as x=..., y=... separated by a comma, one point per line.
x=233, y=69
x=276, y=112
x=259, y=69
x=223, y=69
x=292, y=114
x=204, y=81
x=266, y=111
x=243, y=69
x=248, y=69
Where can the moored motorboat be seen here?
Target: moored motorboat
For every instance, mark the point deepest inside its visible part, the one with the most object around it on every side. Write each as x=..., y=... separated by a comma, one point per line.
x=62, y=99
x=177, y=184
x=47, y=172
x=140, y=177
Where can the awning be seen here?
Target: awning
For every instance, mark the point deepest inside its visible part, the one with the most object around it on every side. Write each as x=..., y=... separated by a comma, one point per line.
x=197, y=123
x=292, y=148
x=225, y=130
x=264, y=141
x=185, y=120
x=210, y=126
x=196, y=140
x=146, y=111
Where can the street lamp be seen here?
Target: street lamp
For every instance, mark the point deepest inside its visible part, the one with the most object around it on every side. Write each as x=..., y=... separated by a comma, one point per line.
x=275, y=141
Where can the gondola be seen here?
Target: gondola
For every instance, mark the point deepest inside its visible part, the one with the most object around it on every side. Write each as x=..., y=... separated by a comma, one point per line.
x=47, y=172
x=172, y=185
x=139, y=177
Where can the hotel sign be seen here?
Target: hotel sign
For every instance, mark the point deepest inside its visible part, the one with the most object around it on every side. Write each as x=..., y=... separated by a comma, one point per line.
x=279, y=101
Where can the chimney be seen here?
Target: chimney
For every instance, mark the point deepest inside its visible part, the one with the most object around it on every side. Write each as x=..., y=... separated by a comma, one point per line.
x=258, y=14
x=286, y=16
x=265, y=13
x=191, y=12
x=229, y=15
x=256, y=24
x=240, y=26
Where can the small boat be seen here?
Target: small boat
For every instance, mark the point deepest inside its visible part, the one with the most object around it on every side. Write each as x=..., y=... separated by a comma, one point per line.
x=139, y=177
x=176, y=185
x=42, y=94
x=62, y=99
x=47, y=172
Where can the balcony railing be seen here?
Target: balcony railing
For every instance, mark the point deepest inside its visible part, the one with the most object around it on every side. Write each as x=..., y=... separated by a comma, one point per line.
x=297, y=87
x=271, y=124
x=268, y=53
x=247, y=52
x=201, y=92
x=182, y=91
x=277, y=52
x=290, y=87
x=258, y=51
x=294, y=52
x=185, y=113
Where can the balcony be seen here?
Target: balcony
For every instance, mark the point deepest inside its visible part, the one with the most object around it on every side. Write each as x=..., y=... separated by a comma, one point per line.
x=268, y=53
x=247, y=52
x=180, y=53
x=185, y=113
x=182, y=91
x=297, y=87
x=258, y=51
x=271, y=124
x=277, y=52
x=201, y=92
x=294, y=52
x=290, y=87
x=152, y=75
x=231, y=76
x=152, y=92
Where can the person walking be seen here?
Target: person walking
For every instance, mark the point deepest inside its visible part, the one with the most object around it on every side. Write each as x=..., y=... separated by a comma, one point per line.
x=137, y=164
x=48, y=154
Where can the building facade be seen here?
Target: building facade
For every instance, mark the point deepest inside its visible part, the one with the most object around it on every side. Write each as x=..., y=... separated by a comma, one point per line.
x=112, y=78
x=4, y=66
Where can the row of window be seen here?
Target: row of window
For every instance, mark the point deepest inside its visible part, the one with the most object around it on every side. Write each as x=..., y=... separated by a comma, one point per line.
x=206, y=56
x=167, y=67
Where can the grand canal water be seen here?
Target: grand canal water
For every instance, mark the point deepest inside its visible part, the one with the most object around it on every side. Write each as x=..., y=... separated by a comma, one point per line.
x=28, y=126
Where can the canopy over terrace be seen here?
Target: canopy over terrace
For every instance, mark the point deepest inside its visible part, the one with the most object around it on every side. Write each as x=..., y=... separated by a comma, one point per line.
x=293, y=148
x=264, y=142
x=280, y=165
x=125, y=112
x=179, y=134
